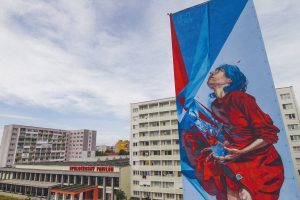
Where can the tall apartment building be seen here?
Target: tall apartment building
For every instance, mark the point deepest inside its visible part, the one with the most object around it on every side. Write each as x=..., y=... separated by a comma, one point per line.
x=291, y=119
x=154, y=150
x=25, y=144
x=81, y=144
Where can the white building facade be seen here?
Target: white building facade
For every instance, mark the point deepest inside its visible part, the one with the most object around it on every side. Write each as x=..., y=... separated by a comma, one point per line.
x=154, y=151
x=27, y=144
x=291, y=119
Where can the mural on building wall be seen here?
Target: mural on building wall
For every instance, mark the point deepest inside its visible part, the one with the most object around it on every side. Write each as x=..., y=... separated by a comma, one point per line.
x=232, y=140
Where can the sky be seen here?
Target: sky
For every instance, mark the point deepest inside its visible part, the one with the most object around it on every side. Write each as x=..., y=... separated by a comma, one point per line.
x=78, y=65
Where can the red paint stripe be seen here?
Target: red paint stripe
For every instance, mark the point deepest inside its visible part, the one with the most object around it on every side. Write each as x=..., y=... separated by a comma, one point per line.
x=180, y=75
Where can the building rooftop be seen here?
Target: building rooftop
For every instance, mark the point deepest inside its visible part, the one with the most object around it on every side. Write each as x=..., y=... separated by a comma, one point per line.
x=116, y=162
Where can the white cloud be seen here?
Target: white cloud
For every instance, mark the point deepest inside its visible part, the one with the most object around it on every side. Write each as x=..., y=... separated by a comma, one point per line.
x=99, y=56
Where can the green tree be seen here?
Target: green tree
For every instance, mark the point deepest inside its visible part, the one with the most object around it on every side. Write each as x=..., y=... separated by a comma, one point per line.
x=120, y=194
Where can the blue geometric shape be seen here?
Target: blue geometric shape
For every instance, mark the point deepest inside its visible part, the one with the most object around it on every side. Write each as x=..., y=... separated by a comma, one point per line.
x=223, y=14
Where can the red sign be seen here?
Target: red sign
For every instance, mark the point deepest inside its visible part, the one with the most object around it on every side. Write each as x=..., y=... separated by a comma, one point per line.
x=92, y=168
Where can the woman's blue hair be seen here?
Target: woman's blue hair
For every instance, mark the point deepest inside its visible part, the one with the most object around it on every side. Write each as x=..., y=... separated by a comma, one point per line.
x=239, y=80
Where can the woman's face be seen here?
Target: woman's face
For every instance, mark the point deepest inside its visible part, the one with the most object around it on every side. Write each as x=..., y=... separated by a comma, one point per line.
x=218, y=79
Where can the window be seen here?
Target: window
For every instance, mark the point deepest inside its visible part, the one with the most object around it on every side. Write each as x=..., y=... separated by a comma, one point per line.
x=287, y=106
x=164, y=114
x=154, y=143
x=154, y=133
x=176, y=152
x=170, y=196
x=298, y=160
x=143, y=125
x=155, y=153
x=295, y=137
x=285, y=96
x=152, y=106
x=290, y=116
x=172, y=103
x=163, y=104
x=153, y=115
x=156, y=173
x=168, y=184
x=165, y=123
x=157, y=194
x=292, y=127
x=153, y=124
x=166, y=142
x=296, y=148
x=135, y=126
x=155, y=162
x=174, y=122
x=135, y=182
x=175, y=131
x=167, y=162
x=144, y=116
x=156, y=184
x=168, y=153
x=165, y=132
x=135, y=110
x=176, y=141
x=173, y=112
x=143, y=107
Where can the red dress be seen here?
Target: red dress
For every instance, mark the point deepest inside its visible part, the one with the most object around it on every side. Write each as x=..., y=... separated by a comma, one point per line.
x=259, y=171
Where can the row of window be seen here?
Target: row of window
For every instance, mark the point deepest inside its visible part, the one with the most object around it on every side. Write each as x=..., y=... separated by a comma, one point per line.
x=156, y=124
x=154, y=115
x=163, y=173
x=156, y=152
x=157, y=195
x=155, y=133
x=156, y=143
x=157, y=162
x=154, y=106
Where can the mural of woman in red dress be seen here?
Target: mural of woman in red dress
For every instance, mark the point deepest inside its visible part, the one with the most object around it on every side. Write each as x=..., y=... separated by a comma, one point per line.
x=250, y=168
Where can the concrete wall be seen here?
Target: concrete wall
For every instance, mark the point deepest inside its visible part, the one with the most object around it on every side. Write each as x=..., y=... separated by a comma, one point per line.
x=6, y=137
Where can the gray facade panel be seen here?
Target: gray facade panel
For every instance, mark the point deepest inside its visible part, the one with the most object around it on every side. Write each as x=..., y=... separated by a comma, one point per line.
x=94, y=136
x=85, y=140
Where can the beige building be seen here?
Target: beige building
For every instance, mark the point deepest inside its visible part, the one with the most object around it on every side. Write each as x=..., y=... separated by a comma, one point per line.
x=291, y=117
x=25, y=144
x=154, y=150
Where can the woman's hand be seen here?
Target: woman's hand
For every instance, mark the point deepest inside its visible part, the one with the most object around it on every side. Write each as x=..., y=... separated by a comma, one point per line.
x=233, y=155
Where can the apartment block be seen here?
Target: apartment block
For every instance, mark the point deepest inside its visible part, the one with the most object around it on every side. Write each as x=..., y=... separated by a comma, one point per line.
x=81, y=145
x=27, y=144
x=290, y=114
x=154, y=150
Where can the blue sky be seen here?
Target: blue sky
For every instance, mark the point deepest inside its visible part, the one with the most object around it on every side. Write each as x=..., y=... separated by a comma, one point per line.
x=79, y=65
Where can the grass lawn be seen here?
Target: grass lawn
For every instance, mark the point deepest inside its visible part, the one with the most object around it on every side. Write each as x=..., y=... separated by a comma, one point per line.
x=6, y=197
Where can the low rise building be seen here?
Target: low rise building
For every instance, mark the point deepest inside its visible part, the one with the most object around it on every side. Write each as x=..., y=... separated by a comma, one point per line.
x=71, y=180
